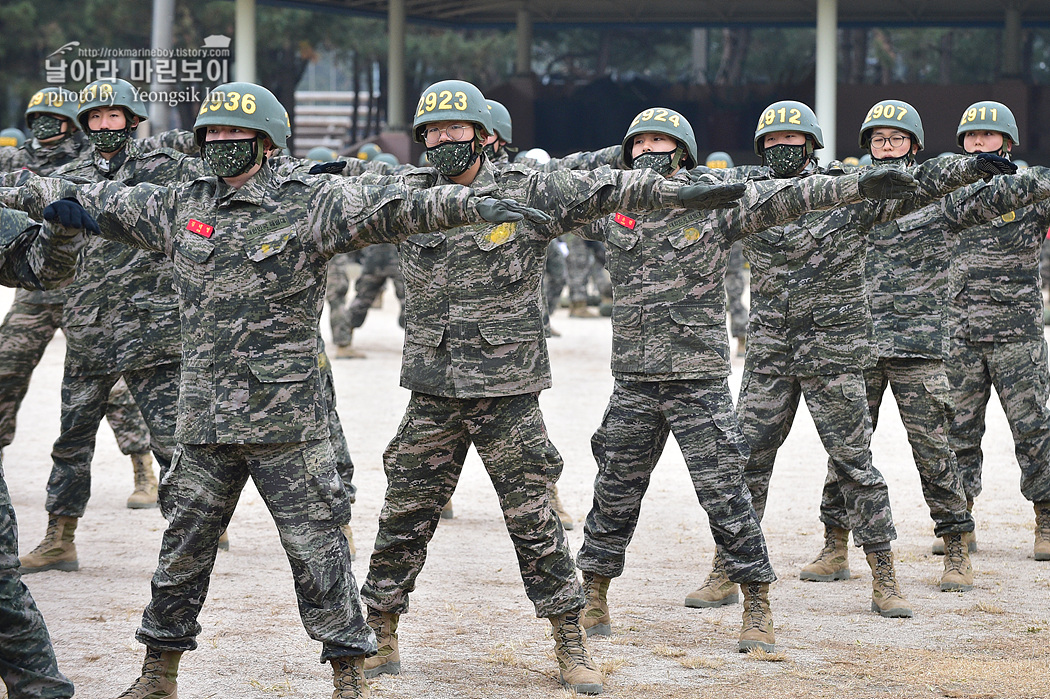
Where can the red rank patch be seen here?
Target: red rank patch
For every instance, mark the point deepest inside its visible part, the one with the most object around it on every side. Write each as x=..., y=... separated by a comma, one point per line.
x=625, y=221
x=201, y=229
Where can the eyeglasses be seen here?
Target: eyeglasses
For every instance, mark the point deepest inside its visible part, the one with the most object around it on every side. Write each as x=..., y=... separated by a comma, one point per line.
x=896, y=140
x=455, y=132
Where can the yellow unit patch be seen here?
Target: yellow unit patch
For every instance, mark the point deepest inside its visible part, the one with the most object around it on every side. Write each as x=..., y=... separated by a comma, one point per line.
x=1009, y=216
x=692, y=234
x=502, y=233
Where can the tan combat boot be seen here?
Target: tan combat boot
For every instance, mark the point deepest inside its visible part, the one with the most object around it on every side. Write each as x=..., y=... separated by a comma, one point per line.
x=756, y=631
x=224, y=541
x=717, y=591
x=158, y=679
x=559, y=509
x=348, y=533
x=595, y=617
x=578, y=309
x=886, y=597
x=832, y=562
x=958, y=573
x=446, y=511
x=348, y=677
x=1042, y=531
x=578, y=671
x=969, y=538
x=386, y=661
x=145, y=494
x=56, y=552
x=347, y=351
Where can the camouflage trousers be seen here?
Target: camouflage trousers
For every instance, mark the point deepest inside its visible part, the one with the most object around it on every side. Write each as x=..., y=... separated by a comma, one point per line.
x=84, y=399
x=26, y=331
x=378, y=263
x=837, y=404
x=1018, y=372
x=344, y=465
x=626, y=447
x=299, y=484
x=423, y=463
x=736, y=282
x=27, y=659
x=586, y=262
x=920, y=388
x=338, y=286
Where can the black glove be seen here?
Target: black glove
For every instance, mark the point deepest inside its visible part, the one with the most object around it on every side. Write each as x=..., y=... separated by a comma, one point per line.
x=710, y=196
x=504, y=210
x=69, y=213
x=885, y=183
x=333, y=167
x=990, y=164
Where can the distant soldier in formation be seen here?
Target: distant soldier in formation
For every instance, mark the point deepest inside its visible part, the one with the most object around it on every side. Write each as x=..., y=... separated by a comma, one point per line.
x=736, y=275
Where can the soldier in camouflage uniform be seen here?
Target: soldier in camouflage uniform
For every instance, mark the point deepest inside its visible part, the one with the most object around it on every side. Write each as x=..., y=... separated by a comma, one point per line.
x=34, y=316
x=736, y=276
x=810, y=333
x=907, y=274
x=120, y=320
x=671, y=359
x=475, y=360
x=997, y=333
x=31, y=256
x=251, y=402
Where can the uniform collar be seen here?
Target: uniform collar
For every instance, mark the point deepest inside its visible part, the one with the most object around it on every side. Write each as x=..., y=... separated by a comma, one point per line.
x=484, y=182
x=131, y=151
x=257, y=190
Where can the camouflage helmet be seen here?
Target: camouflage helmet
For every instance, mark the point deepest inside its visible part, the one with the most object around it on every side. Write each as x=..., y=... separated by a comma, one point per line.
x=368, y=151
x=451, y=100
x=719, y=160
x=424, y=161
x=500, y=120
x=788, y=115
x=894, y=114
x=110, y=93
x=321, y=154
x=53, y=100
x=388, y=158
x=667, y=122
x=12, y=137
x=864, y=160
x=248, y=106
x=1021, y=164
x=988, y=116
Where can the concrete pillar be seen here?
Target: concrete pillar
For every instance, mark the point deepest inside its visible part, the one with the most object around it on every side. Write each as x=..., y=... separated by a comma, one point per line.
x=163, y=19
x=827, y=79
x=395, y=104
x=699, y=55
x=523, y=34
x=244, y=42
x=1012, y=42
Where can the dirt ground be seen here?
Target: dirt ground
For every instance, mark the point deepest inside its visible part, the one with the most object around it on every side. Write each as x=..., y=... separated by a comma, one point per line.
x=472, y=632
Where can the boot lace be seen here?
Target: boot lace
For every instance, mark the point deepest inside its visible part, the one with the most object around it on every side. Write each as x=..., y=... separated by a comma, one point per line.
x=50, y=540
x=717, y=577
x=349, y=682
x=150, y=678
x=883, y=574
x=954, y=553
x=1042, y=521
x=570, y=638
x=754, y=614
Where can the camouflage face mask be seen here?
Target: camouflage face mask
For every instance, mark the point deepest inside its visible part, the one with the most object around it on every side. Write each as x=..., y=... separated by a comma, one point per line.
x=660, y=163
x=490, y=152
x=232, y=158
x=45, y=126
x=452, y=158
x=785, y=160
x=902, y=161
x=108, y=140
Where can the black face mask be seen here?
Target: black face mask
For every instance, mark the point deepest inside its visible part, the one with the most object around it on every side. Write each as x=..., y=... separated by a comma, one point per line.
x=453, y=158
x=784, y=159
x=109, y=140
x=46, y=126
x=660, y=163
x=233, y=157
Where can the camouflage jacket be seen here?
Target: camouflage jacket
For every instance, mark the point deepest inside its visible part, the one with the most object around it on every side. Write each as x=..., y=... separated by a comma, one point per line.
x=910, y=262
x=994, y=284
x=668, y=273
x=35, y=255
x=474, y=325
x=250, y=272
x=43, y=161
x=809, y=308
x=121, y=310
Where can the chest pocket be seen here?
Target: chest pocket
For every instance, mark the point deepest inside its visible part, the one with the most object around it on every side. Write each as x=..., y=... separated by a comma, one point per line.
x=1013, y=230
x=420, y=254
x=191, y=254
x=503, y=251
x=279, y=258
x=621, y=241
x=823, y=223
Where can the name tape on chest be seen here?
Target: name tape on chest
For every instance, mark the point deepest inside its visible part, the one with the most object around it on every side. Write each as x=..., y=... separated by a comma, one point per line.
x=201, y=229
x=625, y=221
